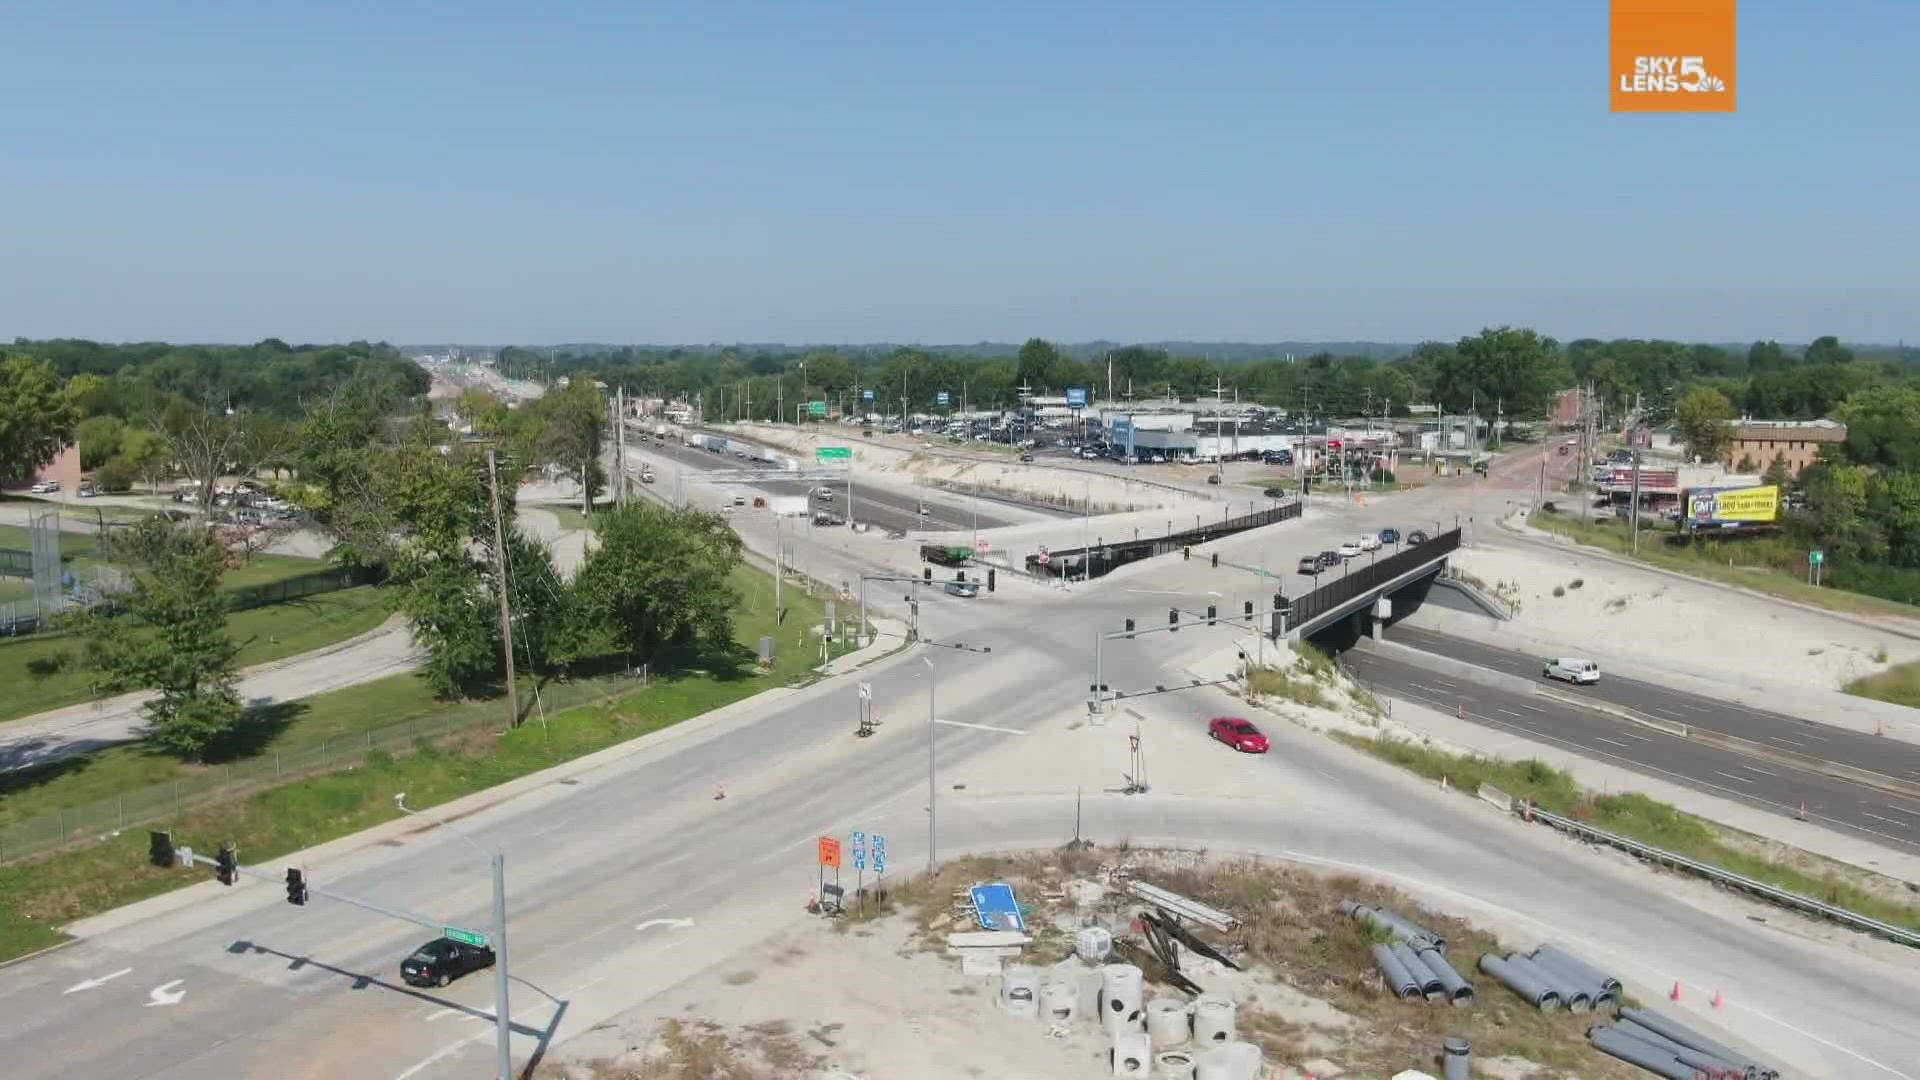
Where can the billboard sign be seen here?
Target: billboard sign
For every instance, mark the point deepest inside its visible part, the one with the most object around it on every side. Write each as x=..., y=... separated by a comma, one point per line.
x=1076, y=397
x=866, y=396
x=1650, y=479
x=941, y=399
x=1725, y=508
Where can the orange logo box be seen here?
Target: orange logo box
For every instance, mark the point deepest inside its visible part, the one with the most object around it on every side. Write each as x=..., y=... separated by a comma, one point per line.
x=1672, y=56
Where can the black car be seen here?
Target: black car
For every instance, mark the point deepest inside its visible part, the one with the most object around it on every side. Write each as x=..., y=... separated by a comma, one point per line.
x=1331, y=559
x=1213, y=478
x=1311, y=565
x=1026, y=457
x=1275, y=493
x=443, y=960
x=1416, y=537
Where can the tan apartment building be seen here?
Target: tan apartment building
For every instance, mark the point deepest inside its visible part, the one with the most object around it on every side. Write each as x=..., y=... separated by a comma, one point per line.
x=1756, y=443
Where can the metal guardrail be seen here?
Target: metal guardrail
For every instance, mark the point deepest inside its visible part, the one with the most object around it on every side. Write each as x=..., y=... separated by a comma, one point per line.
x=1772, y=893
x=1351, y=583
x=1104, y=558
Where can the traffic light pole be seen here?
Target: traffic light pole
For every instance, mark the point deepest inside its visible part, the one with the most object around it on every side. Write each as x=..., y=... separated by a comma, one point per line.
x=1096, y=706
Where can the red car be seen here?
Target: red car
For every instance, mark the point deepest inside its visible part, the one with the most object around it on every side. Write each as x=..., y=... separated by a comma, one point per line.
x=1238, y=734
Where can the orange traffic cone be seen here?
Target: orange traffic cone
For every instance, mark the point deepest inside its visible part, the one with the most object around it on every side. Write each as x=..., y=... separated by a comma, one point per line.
x=1719, y=999
x=1676, y=990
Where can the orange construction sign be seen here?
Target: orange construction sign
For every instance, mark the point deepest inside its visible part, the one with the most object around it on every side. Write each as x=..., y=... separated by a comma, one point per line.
x=830, y=852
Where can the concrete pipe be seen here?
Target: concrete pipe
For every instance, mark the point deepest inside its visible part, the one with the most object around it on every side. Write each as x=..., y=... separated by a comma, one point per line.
x=1429, y=982
x=1086, y=980
x=1173, y=1065
x=1456, y=1058
x=1699, y=1059
x=1688, y=1037
x=1231, y=1061
x=1458, y=990
x=1409, y=931
x=1059, y=1001
x=1167, y=1021
x=1214, y=1016
x=1132, y=1054
x=1574, y=997
x=1121, y=1007
x=1634, y=1052
x=1528, y=985
x=1020, y=990
x=1400, y=982
x=1567, y=975
x=1093, y=944
x=1561, y=958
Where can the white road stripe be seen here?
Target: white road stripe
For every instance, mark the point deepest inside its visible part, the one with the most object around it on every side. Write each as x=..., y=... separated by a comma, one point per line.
x=1535, y=708
x=1695, y=708
x=1888, y=820
x=1788, y=742
x=1508, y=712
x=1611, y=742
x=1815, y=738
x=1730, y=776
x=980, y=727
x=1631, y=735
x=1903, y=810
x=1668, y=712
x=1762, y=772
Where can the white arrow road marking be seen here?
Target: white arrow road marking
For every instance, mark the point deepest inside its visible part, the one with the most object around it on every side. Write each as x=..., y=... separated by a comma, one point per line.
x=165, y=994
x=673, y=924
x=89, y=984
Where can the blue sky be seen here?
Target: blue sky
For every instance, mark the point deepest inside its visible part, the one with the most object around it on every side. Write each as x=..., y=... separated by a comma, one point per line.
x=939, y=173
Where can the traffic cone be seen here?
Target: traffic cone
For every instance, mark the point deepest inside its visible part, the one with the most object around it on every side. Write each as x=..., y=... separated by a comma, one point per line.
x=1676, y=990
x=1719, y=1000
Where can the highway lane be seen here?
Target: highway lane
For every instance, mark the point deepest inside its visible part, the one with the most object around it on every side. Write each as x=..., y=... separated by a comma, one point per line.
x=1781, y=789
x=1890, y=757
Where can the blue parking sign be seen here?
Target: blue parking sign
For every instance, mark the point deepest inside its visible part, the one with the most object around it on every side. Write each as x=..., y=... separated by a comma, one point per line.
x=859, y=841
x=879, y=854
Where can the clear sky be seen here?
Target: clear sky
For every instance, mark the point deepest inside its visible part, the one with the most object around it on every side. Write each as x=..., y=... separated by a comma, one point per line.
x=898, y=171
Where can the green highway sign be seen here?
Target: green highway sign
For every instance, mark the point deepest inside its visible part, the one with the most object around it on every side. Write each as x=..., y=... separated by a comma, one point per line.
x=833, y=453
x=1816, y=557
x=464, y=937
x=816, y=408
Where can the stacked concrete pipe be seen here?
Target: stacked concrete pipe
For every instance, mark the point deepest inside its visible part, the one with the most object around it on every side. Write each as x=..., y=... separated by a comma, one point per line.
x=1572, y=972
x=1685, y=1036
x=1574, y=995
x=1457, y=989
x=1417, y=936
x=1613, y=1042
x=1523, y=981
x=1400, y=982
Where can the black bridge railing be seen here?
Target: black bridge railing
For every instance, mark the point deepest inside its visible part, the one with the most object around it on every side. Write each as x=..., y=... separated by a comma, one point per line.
x=1102, y=559
x=1360, y=580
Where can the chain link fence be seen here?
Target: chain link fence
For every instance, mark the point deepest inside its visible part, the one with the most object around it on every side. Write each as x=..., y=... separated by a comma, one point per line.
x=164, y=802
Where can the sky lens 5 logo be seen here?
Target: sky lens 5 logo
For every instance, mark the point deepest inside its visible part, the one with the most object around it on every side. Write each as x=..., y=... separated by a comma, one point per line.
x=1672, y=56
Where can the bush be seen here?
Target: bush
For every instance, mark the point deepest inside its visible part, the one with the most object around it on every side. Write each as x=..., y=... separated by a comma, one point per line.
x=1559, y=590
x=1548, y=507
x=1576, y=583
x=116, y=475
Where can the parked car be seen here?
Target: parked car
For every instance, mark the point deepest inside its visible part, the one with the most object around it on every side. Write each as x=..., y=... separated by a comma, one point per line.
x=1158, y=459
x=823, y=494
x=1389, y=536
x=86, y=491
x=827, y=520
x=965, y=589
x=1573, y=670
x=1369, y=542
x=45, y=487
x=1349, y=550
x=1416, y=537
x=443, y=960
x=1330, y=559
x=1275, y=493
x=1237, y=733
x=1026, y=457
x=1213, y=478
x=1310, y=565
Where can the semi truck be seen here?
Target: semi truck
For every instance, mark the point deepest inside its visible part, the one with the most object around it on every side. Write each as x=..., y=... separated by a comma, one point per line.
x=946, y=554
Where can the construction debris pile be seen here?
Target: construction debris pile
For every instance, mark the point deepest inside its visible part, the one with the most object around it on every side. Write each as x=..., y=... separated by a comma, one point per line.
x=1412, y=965
x=1659, y=1045
x=1552, y=978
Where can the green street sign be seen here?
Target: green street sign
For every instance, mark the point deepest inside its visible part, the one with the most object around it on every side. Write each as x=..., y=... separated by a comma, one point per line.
x=464, y=937
x=833, y=453
x=1816, y=557
x=816, y=408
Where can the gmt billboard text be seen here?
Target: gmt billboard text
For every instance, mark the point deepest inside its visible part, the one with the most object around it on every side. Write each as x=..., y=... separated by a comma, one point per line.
x=1728, y=508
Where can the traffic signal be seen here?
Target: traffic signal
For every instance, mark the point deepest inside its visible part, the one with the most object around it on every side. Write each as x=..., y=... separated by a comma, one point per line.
x=989, y=579
x=296, y=886
x=1173, y=620
x=926, y=574
x=227, y=865
x=1212, y=613
x=160, y=848
x=1216, y=560
x=1249, y=609
x=1129, y=627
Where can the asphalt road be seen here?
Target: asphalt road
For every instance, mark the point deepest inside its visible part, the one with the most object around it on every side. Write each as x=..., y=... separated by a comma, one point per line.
x=1781, y=789
x=1890, y=757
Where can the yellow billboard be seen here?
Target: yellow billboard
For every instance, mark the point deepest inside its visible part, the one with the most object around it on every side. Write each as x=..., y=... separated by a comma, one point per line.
x=1733, y=506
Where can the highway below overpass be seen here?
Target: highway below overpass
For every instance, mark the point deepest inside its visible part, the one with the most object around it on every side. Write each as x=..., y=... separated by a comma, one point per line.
x=878, y=507
x=1769, y=784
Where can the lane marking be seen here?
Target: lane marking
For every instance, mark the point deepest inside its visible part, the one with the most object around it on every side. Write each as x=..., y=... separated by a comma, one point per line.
x=981, y=727
x=672, y=924
x=89, y=984
x=1730, y=776
x=1903, y=810
x=1695, y=708
x=1668, y=712
x=1631, y=735
x=1535, y=708
x=1756, y=768
x=165, y=994
x=1788, y=742
x=1888, y=820
x=1611, y=742
x=1509, y=712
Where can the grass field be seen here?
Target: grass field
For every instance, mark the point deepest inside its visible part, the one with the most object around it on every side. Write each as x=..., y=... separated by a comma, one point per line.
x=1711, y=563
x=38, y=895
x=79, y=551
x=1900, y=685
x=46, y=671
x=1628, y=814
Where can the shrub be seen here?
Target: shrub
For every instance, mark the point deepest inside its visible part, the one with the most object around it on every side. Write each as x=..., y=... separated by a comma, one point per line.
x=1559, y=590
x=1576, y=583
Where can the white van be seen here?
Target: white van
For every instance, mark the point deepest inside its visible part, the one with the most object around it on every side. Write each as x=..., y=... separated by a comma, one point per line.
x=1573, y=670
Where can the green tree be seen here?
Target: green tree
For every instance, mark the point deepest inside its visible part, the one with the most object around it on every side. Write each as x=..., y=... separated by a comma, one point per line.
x=172, y=638
x=145, y=454
x=483, y=412
x=1766, y=356
x=1702, y=415
x=573, y=426
x=1837, y=503
x=658, y=582
x=1828, y=350
x=1512, y=369
x=1777, y=471
x=1883, y=426
x=37, y=417
x=451, y=607
x=99, y=438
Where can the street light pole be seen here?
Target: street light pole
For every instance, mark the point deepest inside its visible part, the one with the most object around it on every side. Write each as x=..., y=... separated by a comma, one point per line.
x=503, y=1019
x=930, y=787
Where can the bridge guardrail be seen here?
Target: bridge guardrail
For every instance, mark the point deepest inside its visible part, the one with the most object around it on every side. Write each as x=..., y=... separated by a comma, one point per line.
x=1310, y=606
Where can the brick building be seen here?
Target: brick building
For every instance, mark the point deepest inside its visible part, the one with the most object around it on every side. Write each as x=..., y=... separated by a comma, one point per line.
x=1756, y=443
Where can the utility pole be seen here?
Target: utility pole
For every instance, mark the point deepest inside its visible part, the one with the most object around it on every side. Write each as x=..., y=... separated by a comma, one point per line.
x=500, y=582
x=1633, y=517
x=620, y=445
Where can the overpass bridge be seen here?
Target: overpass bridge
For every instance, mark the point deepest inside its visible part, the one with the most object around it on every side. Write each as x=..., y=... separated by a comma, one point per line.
x=1342, y=608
